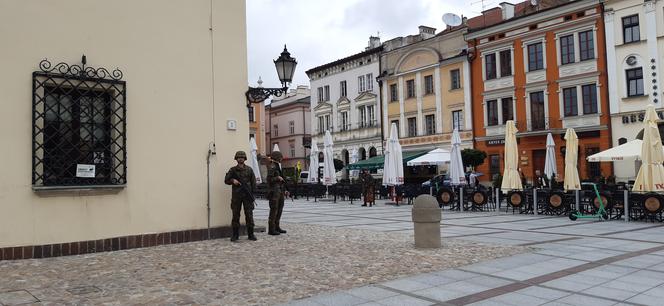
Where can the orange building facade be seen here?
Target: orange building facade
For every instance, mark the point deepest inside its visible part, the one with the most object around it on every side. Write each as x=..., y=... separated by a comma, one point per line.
x=545, y=68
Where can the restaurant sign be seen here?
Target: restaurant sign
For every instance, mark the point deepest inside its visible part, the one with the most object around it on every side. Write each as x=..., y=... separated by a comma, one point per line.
x=635, y=118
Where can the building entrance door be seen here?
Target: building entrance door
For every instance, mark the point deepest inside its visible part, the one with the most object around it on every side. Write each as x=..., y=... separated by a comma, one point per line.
x=539, y=159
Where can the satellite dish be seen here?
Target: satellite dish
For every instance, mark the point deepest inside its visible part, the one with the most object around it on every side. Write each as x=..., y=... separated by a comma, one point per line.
x=452, y=20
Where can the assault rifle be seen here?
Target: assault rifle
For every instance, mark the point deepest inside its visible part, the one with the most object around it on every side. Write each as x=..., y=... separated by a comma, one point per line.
x=245, y=189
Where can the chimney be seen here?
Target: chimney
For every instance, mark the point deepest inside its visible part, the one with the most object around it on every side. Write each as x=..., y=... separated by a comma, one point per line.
x=427, y=32
x=374, y=42
x=507, y=9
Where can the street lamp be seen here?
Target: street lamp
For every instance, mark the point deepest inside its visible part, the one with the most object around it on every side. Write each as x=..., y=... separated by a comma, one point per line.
x=285, y=65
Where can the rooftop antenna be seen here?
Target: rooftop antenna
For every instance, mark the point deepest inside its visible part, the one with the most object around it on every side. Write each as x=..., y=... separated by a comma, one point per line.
x=484, y=6
x=452, y=20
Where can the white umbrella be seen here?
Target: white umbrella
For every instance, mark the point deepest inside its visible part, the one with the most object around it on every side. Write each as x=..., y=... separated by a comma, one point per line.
x=511, y=177
x=550, y=167
x=457, y=176
x=254, y=160
x=276, y=148
x=628, y=151
x=651, y=174
x=435, y=157
x=329, y=174
x=393, y=167
x=571, y=181
x=313, y=165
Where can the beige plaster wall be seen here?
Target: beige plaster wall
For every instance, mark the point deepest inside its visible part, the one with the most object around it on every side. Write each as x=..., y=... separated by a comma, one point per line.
x=165, y=49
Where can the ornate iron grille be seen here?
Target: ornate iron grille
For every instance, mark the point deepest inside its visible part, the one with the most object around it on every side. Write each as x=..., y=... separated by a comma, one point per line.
x=79, y=126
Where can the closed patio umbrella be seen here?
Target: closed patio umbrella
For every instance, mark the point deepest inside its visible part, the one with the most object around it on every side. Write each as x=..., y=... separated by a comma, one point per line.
x=511, y=178
x=313, y=165
x=550, y=167
x=572, y=181
x=457, y=176
x=253, y=162
x=651, y=174
x=393, y=167
x=276, y=147
x=329, y=173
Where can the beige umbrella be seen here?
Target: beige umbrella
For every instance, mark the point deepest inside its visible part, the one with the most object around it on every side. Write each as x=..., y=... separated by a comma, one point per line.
x=511, y=178
x=651, y=174
x=571, y=158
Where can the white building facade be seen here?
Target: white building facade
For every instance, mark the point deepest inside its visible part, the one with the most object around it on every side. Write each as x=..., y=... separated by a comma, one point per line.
x=635, y=42
x=345, y=101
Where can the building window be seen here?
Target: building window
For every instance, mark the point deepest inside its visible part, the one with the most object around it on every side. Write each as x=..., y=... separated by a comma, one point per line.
x=428, y=84
x=589, y=94
x=78, y=122
x=455, y=77
x=593, y=168
x=586, y=45
x=508, y=109
x=321, y=96
x=327, y=92
x=344, y=121
x=327, y=123
x=396, y=122
x=430, y=124
x=537, y=111
x=631, y=31
x=321, y=124
x=370, y=82
x=292, y=150
x=393, y=93
x=410, y=88
x=492, y=112
x=361, y=85
x=535, y=57
x=505, y=63
x=276, y=130
x=457, y=120
x=412, y=127
x=634, y=82
x=567, y=49
x=570, y=102
x=490, y=66
x=251, y=114
x=371, y=116
x=342, y=86
x=291, y=127
x=362, y=116
x=494, y=164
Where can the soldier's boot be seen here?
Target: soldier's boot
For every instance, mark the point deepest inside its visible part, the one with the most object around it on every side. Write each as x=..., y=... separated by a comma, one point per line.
x=236, y=234
x=280, y=230
x=250, y=233
x=272, y=231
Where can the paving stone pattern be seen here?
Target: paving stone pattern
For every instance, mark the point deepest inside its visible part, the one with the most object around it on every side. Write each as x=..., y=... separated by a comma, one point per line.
x=311, y=259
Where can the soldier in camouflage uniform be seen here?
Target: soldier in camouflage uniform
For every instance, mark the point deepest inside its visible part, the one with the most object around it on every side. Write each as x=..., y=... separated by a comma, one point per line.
x=238, y=176
x=276, y=193
x=367, y=187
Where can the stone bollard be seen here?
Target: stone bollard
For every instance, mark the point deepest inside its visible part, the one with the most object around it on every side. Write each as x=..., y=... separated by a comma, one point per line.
x=426, y=221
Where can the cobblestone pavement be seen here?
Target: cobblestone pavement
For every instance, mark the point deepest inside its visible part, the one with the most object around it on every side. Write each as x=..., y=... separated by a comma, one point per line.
x=342, y=247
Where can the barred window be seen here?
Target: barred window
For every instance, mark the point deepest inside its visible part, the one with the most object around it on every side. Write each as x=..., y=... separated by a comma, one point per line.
x=79, y=126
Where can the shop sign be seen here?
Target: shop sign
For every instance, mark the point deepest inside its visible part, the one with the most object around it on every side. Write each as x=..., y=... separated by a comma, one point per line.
x=635, y=118
x=495, y=142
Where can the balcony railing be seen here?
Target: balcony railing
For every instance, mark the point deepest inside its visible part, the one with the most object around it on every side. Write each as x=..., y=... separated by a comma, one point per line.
x=367, y=124
x=539, y=124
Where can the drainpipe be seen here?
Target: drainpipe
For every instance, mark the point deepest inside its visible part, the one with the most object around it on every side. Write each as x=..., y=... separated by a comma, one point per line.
x=380, y=104
x=212, y=150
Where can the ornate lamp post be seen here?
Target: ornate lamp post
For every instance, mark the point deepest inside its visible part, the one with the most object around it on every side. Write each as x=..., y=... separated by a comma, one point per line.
x=285, y=65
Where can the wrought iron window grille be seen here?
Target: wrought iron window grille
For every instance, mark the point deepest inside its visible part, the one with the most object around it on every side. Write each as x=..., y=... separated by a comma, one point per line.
x=79, y=126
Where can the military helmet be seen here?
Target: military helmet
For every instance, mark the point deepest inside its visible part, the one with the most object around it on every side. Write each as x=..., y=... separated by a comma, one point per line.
x=240, y=154
x=276, y=155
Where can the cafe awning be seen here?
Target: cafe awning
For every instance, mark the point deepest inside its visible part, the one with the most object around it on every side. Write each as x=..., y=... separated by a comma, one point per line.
x=377, y=162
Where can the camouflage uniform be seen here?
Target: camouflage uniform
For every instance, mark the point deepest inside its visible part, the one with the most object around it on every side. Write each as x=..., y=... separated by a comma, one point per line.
x=276, y=190
x=245, y=175
x=367, y=188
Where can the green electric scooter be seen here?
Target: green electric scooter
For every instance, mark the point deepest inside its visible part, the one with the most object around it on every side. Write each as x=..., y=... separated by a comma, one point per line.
x=601, y=213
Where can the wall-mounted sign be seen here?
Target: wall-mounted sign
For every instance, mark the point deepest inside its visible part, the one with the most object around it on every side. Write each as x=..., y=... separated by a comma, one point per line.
x=495, y=142
x=636, y=118
x=83, y=170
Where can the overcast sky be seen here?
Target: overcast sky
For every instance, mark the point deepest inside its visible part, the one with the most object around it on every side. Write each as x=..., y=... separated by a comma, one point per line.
x=318, y=31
